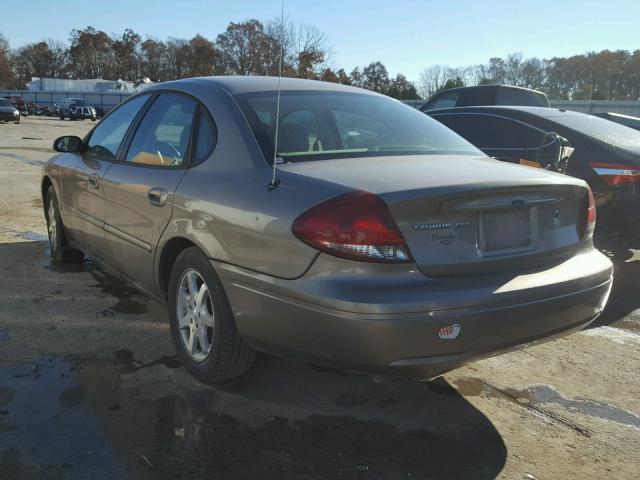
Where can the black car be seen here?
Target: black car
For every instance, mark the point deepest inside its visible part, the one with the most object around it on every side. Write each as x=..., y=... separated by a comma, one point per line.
x=607, y=155
x=486, y=95
x=626, y=120
x=8, y=112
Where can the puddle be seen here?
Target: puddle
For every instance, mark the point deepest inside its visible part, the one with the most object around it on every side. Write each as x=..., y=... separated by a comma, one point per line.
x=544, y=395
x=94, y=420
x=48, y=431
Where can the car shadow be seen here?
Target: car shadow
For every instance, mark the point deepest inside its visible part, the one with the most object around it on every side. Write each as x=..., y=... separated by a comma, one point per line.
x=282, y=420
x=625, y=292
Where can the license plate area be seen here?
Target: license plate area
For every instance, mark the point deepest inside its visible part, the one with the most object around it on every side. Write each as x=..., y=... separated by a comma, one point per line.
x=505, y=230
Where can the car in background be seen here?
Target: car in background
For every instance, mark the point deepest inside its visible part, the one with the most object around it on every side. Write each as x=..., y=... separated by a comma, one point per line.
x=8, y=112
x=77, y=109
x=371, y=238
x=626, y=120
x=486, y=95
x=606, y=155
x=17, y=101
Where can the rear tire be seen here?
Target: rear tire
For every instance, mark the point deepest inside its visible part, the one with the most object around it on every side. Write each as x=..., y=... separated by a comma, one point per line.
x=202, y=324
x=60, y=249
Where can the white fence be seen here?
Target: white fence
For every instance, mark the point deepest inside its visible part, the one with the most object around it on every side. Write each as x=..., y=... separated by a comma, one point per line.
x=106, y=100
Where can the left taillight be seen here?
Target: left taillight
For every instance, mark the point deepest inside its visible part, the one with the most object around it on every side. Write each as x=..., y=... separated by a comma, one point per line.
x=357, y=226
x=587, y=221
x=617, y=173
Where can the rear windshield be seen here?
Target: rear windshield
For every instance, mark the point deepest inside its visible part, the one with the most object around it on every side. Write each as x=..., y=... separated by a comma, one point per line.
x=512, y=96
x=320, y=125
x=79, y=102
x=601, y=129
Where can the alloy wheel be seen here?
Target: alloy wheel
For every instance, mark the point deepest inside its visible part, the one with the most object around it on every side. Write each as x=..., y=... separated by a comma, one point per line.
x=195, y=314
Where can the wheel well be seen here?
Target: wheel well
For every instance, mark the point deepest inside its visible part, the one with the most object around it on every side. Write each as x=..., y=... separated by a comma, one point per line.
x=46, y=183
x=170, y=252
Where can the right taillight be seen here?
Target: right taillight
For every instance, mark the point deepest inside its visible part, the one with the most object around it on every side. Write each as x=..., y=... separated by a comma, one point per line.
x=357, y=225
x=617, y=173
x=587, y=220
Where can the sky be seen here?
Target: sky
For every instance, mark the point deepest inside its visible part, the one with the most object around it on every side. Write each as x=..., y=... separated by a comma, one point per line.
x=405, y=35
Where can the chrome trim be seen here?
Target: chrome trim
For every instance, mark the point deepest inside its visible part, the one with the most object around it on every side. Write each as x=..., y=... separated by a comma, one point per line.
x=126, y=237
x=84, y=216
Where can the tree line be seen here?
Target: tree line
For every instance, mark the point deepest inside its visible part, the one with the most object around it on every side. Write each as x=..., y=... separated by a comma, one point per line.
x=253, y=47
x=604, y=75
x=250, y=47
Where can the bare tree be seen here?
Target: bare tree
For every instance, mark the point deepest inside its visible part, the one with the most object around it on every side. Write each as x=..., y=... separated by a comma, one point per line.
x=432, y=79
x=243, y=47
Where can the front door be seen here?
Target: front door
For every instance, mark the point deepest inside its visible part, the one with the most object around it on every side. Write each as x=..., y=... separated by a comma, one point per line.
x=83, y=200
x=139, y=190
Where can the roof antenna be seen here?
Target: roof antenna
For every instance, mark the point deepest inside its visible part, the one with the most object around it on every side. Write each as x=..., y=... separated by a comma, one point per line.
x=276, y=181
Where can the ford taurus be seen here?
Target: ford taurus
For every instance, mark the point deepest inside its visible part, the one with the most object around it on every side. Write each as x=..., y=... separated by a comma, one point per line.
x=380, y=241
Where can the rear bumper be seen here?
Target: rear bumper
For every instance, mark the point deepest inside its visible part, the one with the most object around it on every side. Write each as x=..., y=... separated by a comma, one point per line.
x=8, y=117
x=392, y=323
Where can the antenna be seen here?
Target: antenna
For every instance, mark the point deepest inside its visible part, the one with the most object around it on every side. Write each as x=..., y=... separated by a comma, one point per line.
x=275, y=181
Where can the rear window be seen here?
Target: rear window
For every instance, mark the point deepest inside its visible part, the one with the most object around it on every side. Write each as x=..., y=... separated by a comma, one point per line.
x=601, y=129
x=511, y=96
x=320, y=125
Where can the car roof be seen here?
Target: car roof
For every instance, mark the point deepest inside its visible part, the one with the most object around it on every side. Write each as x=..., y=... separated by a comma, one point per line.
x=238, y=84
x=546, y=112
x=493, y=86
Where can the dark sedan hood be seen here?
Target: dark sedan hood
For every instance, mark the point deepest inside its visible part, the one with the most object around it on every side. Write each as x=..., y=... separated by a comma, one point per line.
x=397, y=174
x=7, y=109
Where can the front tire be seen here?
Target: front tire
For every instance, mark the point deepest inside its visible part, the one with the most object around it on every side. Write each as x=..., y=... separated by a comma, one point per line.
x=60, y=249
x=202, y=324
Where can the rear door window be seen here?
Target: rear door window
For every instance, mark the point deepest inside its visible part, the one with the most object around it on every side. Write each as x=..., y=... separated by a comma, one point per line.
x=484, y=131
x=162, y=138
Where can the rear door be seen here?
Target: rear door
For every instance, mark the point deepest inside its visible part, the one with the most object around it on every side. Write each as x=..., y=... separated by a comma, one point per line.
x=83, y=201
x=139, y=190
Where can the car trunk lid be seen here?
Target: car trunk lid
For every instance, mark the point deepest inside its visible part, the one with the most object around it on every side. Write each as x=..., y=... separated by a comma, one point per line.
x=461, y=214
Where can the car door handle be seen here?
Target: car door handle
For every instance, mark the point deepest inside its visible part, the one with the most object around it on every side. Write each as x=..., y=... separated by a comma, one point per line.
x=157, y=196
x=94, y=180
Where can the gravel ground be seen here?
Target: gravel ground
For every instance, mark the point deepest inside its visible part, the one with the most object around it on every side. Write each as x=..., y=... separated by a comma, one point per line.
x=90, y=386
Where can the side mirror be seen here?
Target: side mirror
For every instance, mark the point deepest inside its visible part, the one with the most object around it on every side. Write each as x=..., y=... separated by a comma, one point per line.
x=562, y=151
x=67, y=144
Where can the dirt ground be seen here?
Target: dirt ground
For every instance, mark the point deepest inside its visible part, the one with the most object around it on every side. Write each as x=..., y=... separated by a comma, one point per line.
x=90, y=386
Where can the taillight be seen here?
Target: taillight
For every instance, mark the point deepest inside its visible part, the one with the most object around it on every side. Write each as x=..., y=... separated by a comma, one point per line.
x=356, y=225
x=617, y=173
x=587, y=221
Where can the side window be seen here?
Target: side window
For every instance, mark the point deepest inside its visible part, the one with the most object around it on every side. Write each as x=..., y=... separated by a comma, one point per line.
x=107, y=136
x=444, y=100
x=206, y=139
x=529, y=137
x=483, y=131
x=162, y=138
